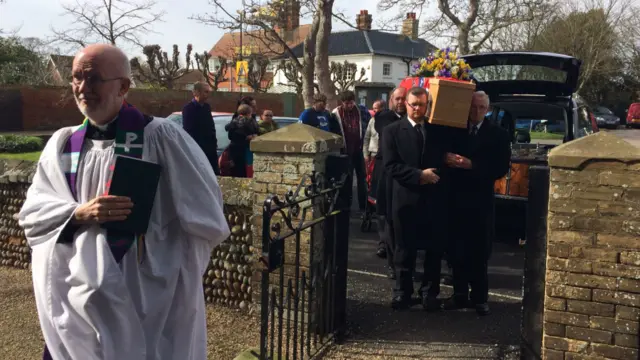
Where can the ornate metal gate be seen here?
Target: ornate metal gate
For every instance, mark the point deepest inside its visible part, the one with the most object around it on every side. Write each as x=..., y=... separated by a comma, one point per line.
x=304, y=310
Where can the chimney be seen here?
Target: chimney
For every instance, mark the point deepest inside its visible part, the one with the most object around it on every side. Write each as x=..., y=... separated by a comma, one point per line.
x=363, y=20
x=410, y=26
x=291, y=15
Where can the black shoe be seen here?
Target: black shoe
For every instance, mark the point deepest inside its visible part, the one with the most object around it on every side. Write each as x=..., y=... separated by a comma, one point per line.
x=400, y=303
x=431, y=303
x=483, y=309
x=456, y=303
x=382, y=253
x=391, y=274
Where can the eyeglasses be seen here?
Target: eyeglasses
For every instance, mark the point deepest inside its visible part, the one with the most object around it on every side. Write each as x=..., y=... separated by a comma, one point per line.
x=91, y=80
x=416, y=106
x=268, y=115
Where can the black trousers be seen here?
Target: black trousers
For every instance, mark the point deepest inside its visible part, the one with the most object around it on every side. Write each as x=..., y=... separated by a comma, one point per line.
x=356, y=162
x=470, y=256
x=386, y=239
x=413, y=230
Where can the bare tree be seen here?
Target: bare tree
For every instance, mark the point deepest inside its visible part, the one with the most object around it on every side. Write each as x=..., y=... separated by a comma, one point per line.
x=265, y=25
x=257, y=73
x=215, y=77
x=344, y=75
x=594, y=31
x=160, y=70
x=468, y=23
x=112, y=21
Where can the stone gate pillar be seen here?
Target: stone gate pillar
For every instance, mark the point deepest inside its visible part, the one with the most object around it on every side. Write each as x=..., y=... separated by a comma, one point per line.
x=592, y=296
x=281, y=159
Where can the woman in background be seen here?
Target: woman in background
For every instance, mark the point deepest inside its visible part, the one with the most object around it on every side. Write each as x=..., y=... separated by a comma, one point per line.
x=241, y=130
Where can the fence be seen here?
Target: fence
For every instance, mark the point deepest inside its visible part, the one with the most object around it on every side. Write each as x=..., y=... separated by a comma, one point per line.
x=300, y=315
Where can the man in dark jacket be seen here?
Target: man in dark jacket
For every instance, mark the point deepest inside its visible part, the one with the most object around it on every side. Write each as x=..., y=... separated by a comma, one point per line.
x=397, y=109
x=198, y=122
x=481, y=159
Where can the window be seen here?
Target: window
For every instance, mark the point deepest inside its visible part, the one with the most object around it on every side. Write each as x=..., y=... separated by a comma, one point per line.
x=386, y=69
x=350, y=73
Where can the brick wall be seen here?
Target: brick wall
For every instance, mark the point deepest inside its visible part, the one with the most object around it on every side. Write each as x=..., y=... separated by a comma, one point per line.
x=49, y=108
x=592, y=300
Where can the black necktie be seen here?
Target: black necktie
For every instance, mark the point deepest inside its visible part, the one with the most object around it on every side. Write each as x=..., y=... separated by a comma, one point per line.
x=474, y=130
x=421, y=138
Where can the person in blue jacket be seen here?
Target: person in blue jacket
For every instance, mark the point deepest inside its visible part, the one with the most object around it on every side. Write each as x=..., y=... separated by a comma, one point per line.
x=318, y=116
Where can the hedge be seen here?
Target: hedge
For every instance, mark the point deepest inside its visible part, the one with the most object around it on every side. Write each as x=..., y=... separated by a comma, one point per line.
x=20, y=144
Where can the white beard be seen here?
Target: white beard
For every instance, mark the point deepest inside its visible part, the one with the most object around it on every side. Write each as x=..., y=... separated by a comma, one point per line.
x=103, y=111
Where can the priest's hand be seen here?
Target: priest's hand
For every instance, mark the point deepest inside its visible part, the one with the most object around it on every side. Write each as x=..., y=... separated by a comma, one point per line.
x=429, y=176
x=103, y=209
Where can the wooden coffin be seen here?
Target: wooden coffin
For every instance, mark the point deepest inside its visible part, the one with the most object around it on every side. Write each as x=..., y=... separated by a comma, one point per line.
x=451, y=102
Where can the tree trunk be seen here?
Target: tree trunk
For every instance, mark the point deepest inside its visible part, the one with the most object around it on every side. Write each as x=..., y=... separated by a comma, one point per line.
x=307, y=66
x=463, y=41
x=325, y=83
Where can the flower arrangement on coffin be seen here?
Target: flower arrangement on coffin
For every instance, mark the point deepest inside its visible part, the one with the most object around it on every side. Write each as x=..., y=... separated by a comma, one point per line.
x=448, y=79
x=443, y=63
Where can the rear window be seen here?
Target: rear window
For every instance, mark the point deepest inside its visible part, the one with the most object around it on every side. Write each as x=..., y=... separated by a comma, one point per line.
x=519, y=72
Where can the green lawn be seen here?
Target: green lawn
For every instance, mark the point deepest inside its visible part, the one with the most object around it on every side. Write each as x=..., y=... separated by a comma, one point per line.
x=546, y=136
x=30, y=156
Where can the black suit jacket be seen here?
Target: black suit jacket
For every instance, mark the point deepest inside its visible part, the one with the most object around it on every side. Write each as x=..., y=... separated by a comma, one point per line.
x=404, y=163
x=490, y=155
x=198, y=122
x=473, y=198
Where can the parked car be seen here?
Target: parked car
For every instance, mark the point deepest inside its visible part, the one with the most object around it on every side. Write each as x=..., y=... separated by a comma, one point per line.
x=221, y=119
x=633, y=116
x=605, y=118
x=537, y=86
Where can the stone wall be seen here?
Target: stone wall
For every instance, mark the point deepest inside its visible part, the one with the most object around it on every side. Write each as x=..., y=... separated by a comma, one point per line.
x=49, y=108
x=226, y=281
x=592, y=300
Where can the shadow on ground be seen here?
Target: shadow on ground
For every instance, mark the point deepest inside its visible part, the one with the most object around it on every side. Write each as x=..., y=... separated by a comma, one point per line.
x=375, y=331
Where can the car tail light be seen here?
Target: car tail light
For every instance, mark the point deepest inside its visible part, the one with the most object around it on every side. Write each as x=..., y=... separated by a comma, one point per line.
x=594, y=124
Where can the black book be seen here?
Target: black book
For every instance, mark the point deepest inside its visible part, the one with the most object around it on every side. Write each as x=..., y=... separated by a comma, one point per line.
x=138, y=180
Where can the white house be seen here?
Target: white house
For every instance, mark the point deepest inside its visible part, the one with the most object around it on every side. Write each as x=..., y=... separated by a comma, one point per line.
x=386, y=57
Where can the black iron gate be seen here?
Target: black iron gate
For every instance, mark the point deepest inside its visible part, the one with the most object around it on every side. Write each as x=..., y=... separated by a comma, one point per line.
x=304, y=311
x=535, y=264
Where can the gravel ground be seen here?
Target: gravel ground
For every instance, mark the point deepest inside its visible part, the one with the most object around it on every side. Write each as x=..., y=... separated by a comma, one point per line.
x=229, y=331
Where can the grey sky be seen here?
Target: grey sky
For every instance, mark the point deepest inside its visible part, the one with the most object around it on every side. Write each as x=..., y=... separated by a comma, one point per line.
x=33, y=18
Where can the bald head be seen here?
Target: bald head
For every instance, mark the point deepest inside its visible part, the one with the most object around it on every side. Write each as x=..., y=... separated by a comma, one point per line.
x=107, y=58
x=397, y=101
x=101, y=79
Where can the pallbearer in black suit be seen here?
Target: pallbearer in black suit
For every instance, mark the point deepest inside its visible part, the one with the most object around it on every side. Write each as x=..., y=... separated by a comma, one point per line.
x=481, y=160
x=413, y=152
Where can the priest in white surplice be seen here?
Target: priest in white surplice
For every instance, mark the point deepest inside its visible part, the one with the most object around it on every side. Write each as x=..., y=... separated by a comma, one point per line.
x=115, y=296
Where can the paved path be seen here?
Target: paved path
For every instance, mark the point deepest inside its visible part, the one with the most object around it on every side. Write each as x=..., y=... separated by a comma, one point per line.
x=377, y=332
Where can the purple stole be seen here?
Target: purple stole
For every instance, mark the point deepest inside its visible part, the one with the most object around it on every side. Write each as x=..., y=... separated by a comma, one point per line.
x=129, y=142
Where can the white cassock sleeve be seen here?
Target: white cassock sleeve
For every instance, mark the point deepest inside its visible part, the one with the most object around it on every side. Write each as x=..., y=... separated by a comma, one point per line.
x=195, y=192
x=49, y=204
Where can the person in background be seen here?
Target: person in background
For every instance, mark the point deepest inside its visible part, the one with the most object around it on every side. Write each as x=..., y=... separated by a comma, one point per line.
x=198, y=122
x=266, y=123
x=383, y=118
x=102, y=294
x=251, y=102
x=350, y=118
x=370, y=142
x=318, y=116
x=379, y=105
x=482, y=158
x=242, y=129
